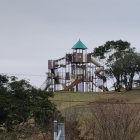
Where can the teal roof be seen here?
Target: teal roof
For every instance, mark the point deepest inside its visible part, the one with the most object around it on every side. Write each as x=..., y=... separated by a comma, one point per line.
x=79, y=45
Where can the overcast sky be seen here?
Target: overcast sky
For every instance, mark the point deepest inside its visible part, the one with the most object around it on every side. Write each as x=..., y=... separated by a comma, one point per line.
x=33, y=31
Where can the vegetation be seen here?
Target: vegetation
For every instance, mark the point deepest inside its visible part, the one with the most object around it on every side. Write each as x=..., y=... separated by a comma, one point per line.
x=21, y=102
x=121, y=62
x=115, y=120
x=69, y=99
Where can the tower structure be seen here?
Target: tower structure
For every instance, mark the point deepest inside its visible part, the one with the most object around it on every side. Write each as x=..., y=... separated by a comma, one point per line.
x=77, y=71
x=79, y=60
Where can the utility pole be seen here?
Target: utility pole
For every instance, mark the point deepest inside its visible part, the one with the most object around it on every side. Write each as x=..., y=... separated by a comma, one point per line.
x=55, y=129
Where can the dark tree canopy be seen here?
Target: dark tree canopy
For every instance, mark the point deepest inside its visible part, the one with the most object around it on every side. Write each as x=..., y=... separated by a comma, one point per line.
x=20, y=101
x=121, y=62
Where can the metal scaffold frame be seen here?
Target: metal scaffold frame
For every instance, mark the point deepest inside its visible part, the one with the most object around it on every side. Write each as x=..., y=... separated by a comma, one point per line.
x=77, y=71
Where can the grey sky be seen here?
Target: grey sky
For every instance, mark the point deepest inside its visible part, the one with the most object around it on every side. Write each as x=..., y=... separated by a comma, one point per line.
x=33, y=31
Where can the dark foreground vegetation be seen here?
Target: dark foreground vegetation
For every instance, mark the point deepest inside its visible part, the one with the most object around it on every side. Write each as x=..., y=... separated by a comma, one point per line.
x=24, y=110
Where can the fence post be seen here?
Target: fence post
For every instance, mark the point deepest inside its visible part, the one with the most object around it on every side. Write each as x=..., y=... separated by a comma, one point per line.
x=55, y=129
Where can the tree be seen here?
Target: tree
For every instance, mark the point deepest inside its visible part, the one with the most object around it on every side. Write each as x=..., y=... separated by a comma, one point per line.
x=20, y=101
x=121, y=62
x=129, y=66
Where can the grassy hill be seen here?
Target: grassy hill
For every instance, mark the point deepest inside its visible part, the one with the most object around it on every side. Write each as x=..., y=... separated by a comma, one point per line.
x=66, y=99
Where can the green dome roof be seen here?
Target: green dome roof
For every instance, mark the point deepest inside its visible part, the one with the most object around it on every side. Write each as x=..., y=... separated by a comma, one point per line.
x=79, y=45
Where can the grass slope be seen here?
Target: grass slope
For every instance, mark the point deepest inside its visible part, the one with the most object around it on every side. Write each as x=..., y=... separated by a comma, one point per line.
x=67, y=99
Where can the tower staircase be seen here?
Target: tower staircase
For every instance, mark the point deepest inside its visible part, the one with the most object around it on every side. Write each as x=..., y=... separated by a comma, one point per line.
x=74, y=83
